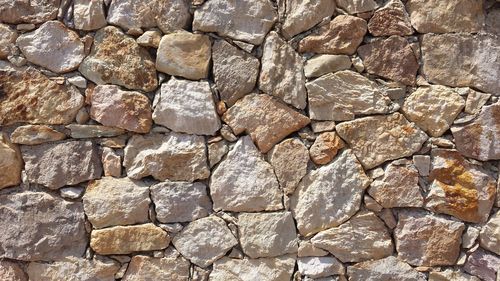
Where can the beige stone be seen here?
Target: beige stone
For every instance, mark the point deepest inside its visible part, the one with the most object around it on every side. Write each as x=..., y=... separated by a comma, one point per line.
x=357, y=6
x=324, y=64
x=325, y=148
x=8, y=38
x=307, y=249
x=216, y=151
x=35, y=134
x=111, y=163
x=21, y=11
x=475, y=101
x=144, y=268
x=89, y=15
x=451, y=275
x=11, y=271
x=489, y=237
x=150, y=38
x=93, y=131
x=11, y=163
x=74, y=269
x=317, y=267
x=391, y=19
x=263, y=269
x=299, y=16
x=289, y=159
x=389, y=268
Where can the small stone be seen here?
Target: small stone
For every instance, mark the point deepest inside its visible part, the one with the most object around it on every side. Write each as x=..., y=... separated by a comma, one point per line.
x=357, y=6
x=323, y=126
x=392, y=19
x=483, y=265
x=78, y=81
x=144, y=268
x=490, y=234
x=72, y=192
x=324, y=64
x=216, y=151
x=263, y=269
x=111, y=163
x=10, y=271
x=89, y=15
x=299, y=16
x=93, y=131
x=8, y=38
x=150, y=38
x=325, y=148
x=388, y=217
x=423, y=164
x=19, y=11
x=74, y=269
x=389, y=268
x=307, y=249
x=317, y=267
x=475, y=101
x=11, y=163
x=371, y=204
x=451, y=275
x=469, y=237
x=82, y=116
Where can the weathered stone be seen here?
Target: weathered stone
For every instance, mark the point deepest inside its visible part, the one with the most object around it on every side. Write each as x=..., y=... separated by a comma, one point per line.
x=184, y=54
x=282, y=72
x=19, y=11
x=317, y=267
x=470, y=236
x=343, y=95
x=357, y=6
x=299, y=16
x=264, y=269
x=89, y=15
x=8, y=38
x=250, y=20
x=111, y=163
x=325, y=148
x=324, y=64
x=55, y=165
x=330, y=195
x=150, y=38
x=244, y=181
x=40, y=226
x=392, y=19
x=128, y=110
x=74, y=269
x=216, y=151
x=172, y=156
x=188, y=107
x=93, y=131
x=144, y=268
x=451, y=275
x=205, y=240
x=391, y=58
x=483, y=265
x=423, y=164
x=265, y=119
x=35, y=134
x=120, y=240
x=10, y=271
x=180, y=201
x=389, y=268
x=117, y=59
x=475, y=101
x=377, y=139
x=490, y=234
x=307, y=249
x=341, y=36
x=492, y=21
x=11, y=163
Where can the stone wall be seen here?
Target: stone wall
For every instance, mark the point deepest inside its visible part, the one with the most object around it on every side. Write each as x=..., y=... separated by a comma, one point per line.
x=251, y=140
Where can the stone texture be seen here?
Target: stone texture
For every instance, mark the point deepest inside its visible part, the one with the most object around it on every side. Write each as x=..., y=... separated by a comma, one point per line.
x=389, y=268
x=357, y=6
x=490, y=234
x=307, y=249
x=216, y=151
x=325, y=148
x=330, y=195
x=11, y=163
x=21, y=11
x=144, y=268
x=93, y=131
x=89, y=15
x=150, y=38
x=289, y=159
x=7, y=41
x=317, y=267
x=475, y=101
x=264, y=269
x=299, y=16
x=392, y=19
x=111, y=163
x=35, y=134
x=377, y=139
x=451, y=275
x=40, y=226
x=483, y=265
x=10, y=271
x=324, y=64
x=188, y=107
x=265, y=119
x=74, y=269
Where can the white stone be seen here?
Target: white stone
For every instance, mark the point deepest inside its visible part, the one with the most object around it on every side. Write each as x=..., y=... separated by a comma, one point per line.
x=263, y=269
x=300, y=16
x=316, y=267
x=89, y=14
x=489, y=237
x=389, y=268
x=74, y=269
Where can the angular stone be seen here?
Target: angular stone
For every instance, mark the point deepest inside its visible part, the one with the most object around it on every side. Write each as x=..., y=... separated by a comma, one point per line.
x=21, y=11
x=489, y=237
x=93, y=131
x=55, y=165
x=173, y=156
x=264, y=269
x=144, y=268
x=325, y=148
x=265, y=119
x=475, y=101
x=377, y=139
x=307, y=249
x=451, y=275
x=483, y=265
x=282, y=72
x=117, y=59
x=74, y=269
x=150, y=38
x=391, y=58
x=250, y=20
x=111, y=163
x=392, y=19
x=128, y=110
x=180, y=201
x=343, y=95
x=40, y=226
x=11, y=163
x=317, y=267
x=121, y=240
x=89, y=15
x=357, y=6
x=35, y=134
x=299, y=16
x=324, y=64
x=8, y=38
x=205, y=240
x=188, y=107
x=10, y=271
x=244, y=182
x=330, y=195
x=341, y=36
x=389, y=268
x=216, y=151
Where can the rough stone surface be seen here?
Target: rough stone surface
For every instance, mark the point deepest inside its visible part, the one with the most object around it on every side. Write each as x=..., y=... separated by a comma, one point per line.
x=21, y=11
x=451, y=275
x=483, y=265
x=89, y=15
x=111, y=163
x=7, y=41
x=11, y=163
x=35, y=134
x=317, y=267
x=490, y=234
x=74, y=269
x=264, y=269
x=389, y=268
x=10, y=271
x=150, y=38
x=357, y=6
x=475, y=101
x=93, y=131
x=299, y=16
x=289, y=159
x=324, y=64
x=144, y=268
x=392, y=19
x=325, y=148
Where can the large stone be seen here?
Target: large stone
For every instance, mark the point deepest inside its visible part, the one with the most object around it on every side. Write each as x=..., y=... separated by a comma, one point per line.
x=265, y=119
x=11, y=163
x=324, y=64
x=144, y=268
x=188, y=107
x=264, y=269
x=317, y=267
x=483, y=264
x=377, y=139
x=35, y=134
x=325, y=148
x=389, y=268
x=7, y=41
x=282, y=72
x=117, y=59
x=250, y=20
x=343, y=95
x=74, y=269
x=392, y=19
x=205, y=240
x=11, y=271
x=490, y=234
x=22, y=11
x=357, y=6
x=299, y=16
x=330, y=195
x=172, y=156
x=40, y=226
x=89, y=15
x=244, y=181
x=451, y=275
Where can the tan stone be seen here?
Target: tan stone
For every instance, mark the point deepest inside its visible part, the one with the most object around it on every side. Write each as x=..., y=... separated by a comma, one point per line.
x=144, y=268
x=216, y=151
x=475, y=101
x=89, y=14
x=21, y=11
x=389, y=268
x=93, y=131
x=74, y=269
x=111, y=163
x=325, y=148
x=35, y=134
x=289, y=159
x=150, y=38
x=489, y=237
x=307, y=249
x=324, y=64
x=299, y=16
x=11, y=163
x=8, y=38
x=10, y=271
x=263, y=269
x=392, y=19
x=357, y=6
x=451, y=275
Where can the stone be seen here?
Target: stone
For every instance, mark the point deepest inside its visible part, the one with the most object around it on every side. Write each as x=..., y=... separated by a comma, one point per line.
x=265, y=119
x=377, y=139
x=188, y=107
x=264, y=269
x=489, y=237
x=11, y=163
x=11, y=271
x=475, y=101
x=184, y=54
x=205, y=240
x=93, y=131
x=423, y=164
x=492, y=23
x=117, y=59
x=173, y=156
x=389, y=268
x=244, y=182
x=235, y=71
x=307, y=249
x=436, y=16
x=451, y=275
x=391, y=19
x=45, y=103
x=324, y=64
x=35, y=134
x=267, y=234
x=325, y=148
x=122, y=240
x=463, y=60
x=150, y=38
x=216, y=151
x=144, y=268
x=330, y=195
x=129, y=110
x=282, y=72
x=8, y=38
x=459, y=188
x=111, y=163
x=341, y=36
x=72, y=192
x=469, y=237
x=317, y=267
x=483, y=265
x=357, y=6
x=299, y=16
x=55, y=165
x=21, y=11
x=250, y=20
x=323, y=126
x=180, y=201
x=423, y=239
x=40, y=226
x=343, y=95
x=73, y=269
x=78, y=81
x=89, y=15
x=392, y=58
x=363, y=237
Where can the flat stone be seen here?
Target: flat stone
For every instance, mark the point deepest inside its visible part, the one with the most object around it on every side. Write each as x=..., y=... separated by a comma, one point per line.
x=8, y=38
x=11, y=163
x=173, y=156
x=244, y=181
x=343, y=95
x=330, y=195
x=377, y=139
x=391, y=58
x=265, y=119
x=250, y=20
x=325, y=148
x=144, y=268
x=74, y=269
x=129, y=110
x=150, y=38
x=264, y=269
x=21, y=11
x=89, y=15
x=357, y=6
x=391, y=19
x=93, y=131
x=483, y=265
x=489, y=237
x=341, y=36
x=389, y=268
x=282, y=72
x=299, y=16
x=324, y=64
x=475, y=101
x=72, y=192
x=55, y=165
x=188, y=107
x=451, y=275
x=111, y=163
x=117, y=59
x=40, y=226
x=122, y=240
x=11, y=271
x=317, y=267
x=205, y=240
